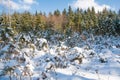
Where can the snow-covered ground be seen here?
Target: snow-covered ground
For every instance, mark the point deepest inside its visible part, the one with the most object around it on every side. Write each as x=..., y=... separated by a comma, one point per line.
x=75, y=58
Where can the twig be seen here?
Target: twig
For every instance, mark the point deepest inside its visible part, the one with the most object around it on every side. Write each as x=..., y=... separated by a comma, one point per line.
x=98, y=74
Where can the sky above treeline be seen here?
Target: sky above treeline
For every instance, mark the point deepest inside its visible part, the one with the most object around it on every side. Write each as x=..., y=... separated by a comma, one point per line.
x=51, y=5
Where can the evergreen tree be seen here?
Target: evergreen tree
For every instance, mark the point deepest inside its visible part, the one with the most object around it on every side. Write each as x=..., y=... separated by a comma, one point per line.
x=1, y=19
x=117, y=23
x=64, y=12
x=77, y=20
x=119, y=12
x=64, y=20
x=103, y=22
x=70, y=17
x=39, y=23
x=57, y=12
x=15, y=22
x=25, y=21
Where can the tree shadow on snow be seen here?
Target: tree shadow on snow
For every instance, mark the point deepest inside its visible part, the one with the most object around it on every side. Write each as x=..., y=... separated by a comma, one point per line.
x=60, y=76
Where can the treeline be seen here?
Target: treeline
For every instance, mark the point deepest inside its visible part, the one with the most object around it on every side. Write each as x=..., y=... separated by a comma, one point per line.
x=105, y=22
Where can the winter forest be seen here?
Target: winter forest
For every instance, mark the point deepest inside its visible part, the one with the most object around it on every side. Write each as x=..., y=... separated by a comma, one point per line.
x=69, y=45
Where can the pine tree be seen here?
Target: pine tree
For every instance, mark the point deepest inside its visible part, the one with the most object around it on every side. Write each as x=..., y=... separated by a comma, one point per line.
x=1, y=20
x=64, y=12
x=26, y=22
x=117, y=23
x=57, y=12
x=77, y=20
x=38, y=21
x=64, y=20
x=70, y=16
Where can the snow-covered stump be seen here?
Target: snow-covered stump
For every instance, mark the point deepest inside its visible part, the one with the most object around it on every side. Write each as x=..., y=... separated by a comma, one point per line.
x=42, y=44
x=18, y=72
x=28, y=71
x=50, y=67
x=32, y=48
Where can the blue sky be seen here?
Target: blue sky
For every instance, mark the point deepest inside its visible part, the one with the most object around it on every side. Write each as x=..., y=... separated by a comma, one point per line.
x=51, y=5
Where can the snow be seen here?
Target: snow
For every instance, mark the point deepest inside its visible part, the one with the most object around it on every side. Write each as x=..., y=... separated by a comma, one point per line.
x=66, y=74
x=5, y=49
x=96, y=58
x=11, y=63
